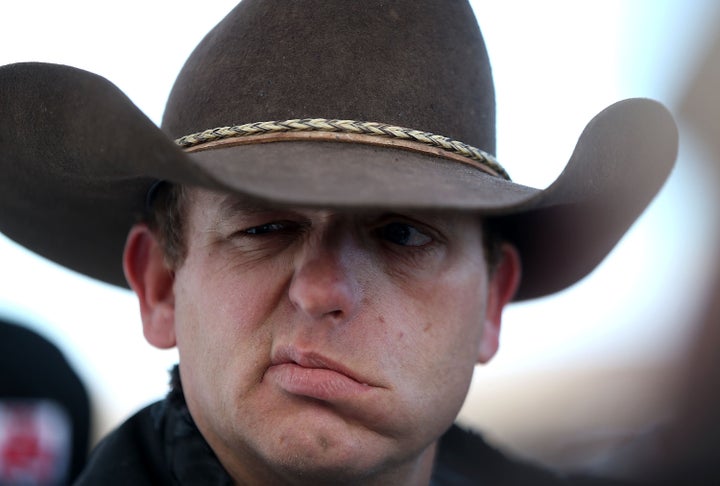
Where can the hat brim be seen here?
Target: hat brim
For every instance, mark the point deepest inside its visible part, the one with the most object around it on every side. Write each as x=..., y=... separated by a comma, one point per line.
x=77, y=159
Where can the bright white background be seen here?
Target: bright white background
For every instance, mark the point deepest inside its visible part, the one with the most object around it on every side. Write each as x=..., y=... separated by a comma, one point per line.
x=556, y=65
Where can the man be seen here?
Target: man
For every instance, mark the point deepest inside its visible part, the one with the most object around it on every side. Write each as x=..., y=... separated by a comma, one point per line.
x=328, y=243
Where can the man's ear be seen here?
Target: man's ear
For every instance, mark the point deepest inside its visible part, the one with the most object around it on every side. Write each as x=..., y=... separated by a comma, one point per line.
x=152, y=280
x=502, y=285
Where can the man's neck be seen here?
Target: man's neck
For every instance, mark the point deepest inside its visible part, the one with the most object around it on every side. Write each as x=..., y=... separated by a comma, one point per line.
x=414, y=472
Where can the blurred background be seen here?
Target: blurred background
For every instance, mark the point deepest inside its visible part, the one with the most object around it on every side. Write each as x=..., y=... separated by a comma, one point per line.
x=582, y=377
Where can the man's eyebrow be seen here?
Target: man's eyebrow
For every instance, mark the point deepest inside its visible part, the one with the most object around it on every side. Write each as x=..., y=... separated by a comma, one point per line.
x=232, y=204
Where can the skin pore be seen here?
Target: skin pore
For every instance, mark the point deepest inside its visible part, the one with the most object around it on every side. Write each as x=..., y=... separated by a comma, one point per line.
x=321, y=346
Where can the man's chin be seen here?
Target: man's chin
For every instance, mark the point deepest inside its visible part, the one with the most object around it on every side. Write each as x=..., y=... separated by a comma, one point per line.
x=327, y=454
x=323, y=457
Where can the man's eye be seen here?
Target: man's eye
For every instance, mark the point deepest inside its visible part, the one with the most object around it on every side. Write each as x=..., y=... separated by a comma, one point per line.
x=404, y=234
x=268, y=228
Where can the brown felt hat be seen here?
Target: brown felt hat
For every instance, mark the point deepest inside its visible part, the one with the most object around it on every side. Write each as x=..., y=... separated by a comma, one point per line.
x=347, y=104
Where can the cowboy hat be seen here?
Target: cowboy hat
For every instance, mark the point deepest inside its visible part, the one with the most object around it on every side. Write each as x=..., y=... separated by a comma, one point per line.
x=337, y=104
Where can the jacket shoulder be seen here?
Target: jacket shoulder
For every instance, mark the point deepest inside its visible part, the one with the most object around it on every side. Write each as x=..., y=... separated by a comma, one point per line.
x=464, y=457
x=132, y=454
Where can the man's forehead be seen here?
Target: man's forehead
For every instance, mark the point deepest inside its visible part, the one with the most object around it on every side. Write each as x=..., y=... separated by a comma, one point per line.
x=226, y=204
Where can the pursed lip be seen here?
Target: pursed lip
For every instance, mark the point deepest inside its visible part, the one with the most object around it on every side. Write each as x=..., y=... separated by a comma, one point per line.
x=313, y=375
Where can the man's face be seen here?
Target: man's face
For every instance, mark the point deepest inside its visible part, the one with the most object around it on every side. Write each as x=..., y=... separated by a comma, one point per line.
x=327, y=342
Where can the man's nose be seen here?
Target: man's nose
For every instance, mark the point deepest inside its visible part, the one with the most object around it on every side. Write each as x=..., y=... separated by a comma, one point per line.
x=325, y=283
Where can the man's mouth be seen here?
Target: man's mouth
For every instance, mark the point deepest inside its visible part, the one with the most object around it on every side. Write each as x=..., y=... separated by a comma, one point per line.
x=312, y=375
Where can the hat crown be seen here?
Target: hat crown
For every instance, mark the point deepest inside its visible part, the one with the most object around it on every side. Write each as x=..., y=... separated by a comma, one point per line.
x=420, y=64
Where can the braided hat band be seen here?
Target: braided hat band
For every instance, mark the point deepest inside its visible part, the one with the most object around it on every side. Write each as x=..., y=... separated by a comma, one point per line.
x=371, y=133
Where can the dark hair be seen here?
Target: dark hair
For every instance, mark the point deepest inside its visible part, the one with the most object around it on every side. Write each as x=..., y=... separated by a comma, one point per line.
x=166, y=217
x=492, y=244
